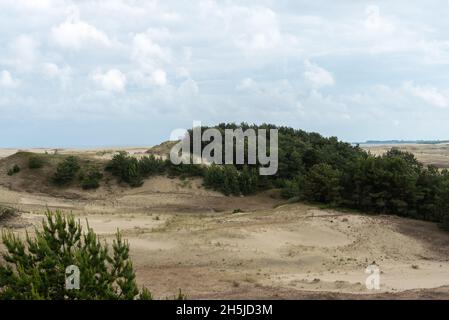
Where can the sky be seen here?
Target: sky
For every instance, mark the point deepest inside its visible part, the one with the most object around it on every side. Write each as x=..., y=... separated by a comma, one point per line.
x=89, y=73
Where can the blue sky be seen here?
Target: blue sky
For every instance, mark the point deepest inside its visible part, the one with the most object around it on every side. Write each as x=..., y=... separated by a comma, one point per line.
x=128, y=72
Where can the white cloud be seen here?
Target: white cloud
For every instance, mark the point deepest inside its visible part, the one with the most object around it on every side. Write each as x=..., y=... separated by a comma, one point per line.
x=75, y=33
x=255, y=30
x=159, y=34
x=317, y=76
x=7, y=81
x=27, y=5
x=112, y=80
x=428, y=94
x=247, y=84
x=36, y=4
x=222, y=60
x=53, y=71
x=260, y=29
x=375, y=22
x=159, y=77
x=146, y=52
x=188, y=88
x=182, y=72
x=24, y=51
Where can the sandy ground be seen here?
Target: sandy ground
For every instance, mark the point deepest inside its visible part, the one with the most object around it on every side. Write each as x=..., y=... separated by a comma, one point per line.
x=104, y=153
x=434, y=154
x=183, y=236
x=283, y=252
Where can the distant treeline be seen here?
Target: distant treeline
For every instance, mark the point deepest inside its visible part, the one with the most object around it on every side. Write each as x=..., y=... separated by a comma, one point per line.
x=403, y=142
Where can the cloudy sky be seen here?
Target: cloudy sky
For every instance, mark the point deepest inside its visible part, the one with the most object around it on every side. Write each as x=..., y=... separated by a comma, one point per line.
x=128, y=72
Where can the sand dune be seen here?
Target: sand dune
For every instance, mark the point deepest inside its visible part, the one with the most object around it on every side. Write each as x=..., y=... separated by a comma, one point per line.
x=184, y=236
x=290, y=250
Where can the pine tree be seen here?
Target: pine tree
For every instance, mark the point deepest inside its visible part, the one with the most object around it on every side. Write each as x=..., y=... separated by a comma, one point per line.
x=231, y=180
x=248, y=180
x=66, y=170
x=35, y=268
x=322, y=184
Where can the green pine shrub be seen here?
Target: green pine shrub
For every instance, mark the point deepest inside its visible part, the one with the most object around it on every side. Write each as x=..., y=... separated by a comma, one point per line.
x=321, y=184
x=35, y=268
x=126, y=169
x=66, y=170
x=90, y=178
x=7, y=213
x=15, y=169
x=248, y=180
x=35, y=162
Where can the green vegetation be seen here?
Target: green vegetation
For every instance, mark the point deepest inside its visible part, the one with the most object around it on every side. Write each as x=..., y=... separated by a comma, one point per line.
x=35, y=162
x=322, y=184
x=133, y=171
x=90, y=178
x=6, y=213
x=324, y=170
x=184, y=170
x=66, y=170
x=89, y=175
x=15, y=169
x=311, y=168
x=127, y=169
x=226, y=179
x=35, y=268
x=445, y=223
x=229, y=180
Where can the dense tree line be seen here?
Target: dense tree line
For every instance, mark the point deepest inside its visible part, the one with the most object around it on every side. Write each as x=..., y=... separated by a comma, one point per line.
x=394, y=183
x=319, y=169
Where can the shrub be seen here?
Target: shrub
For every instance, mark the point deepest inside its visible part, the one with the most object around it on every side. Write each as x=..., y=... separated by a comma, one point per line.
x=15, y=169
x=35, y=268
x=132, y=171
x=248, y=180
x=126, y=168
x=118, y=165
x=6, y=213
x=66, y=170
x=214, y=177
x=150, y=165
x=35, y=162
x=90, y=178
x=231, y=180
x=227, y=179
x=184, y=170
